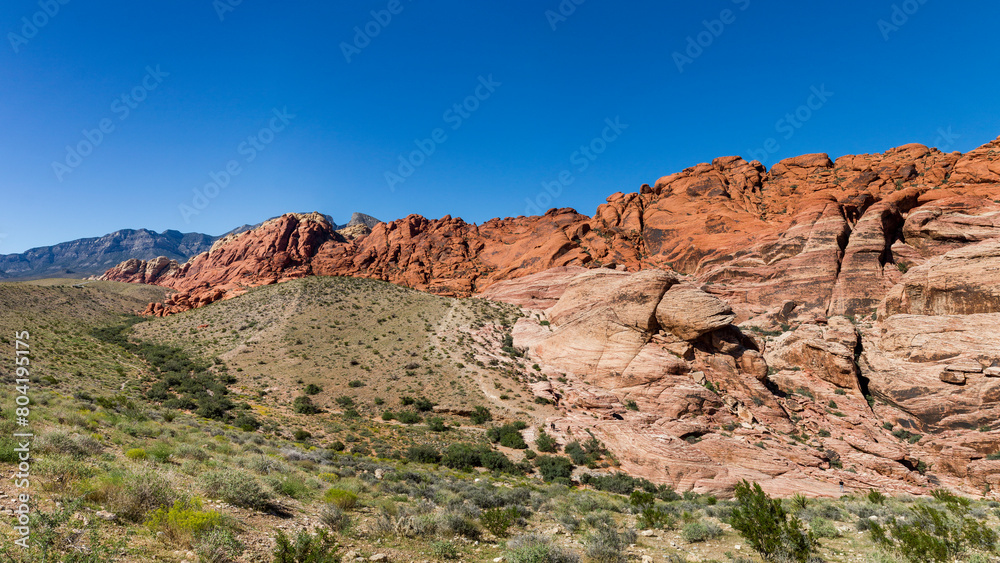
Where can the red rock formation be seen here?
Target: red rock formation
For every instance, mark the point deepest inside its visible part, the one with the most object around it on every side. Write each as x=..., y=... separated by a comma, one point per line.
x=825, y=235
x=640, y=298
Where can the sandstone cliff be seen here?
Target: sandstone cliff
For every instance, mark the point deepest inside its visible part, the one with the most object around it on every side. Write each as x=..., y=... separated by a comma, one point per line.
x=819, y=322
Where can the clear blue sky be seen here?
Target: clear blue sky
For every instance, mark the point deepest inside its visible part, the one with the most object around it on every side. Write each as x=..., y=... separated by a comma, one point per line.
x=934, y=73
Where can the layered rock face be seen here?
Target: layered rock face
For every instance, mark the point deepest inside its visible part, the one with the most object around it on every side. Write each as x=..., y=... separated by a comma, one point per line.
x=831, y=237
x=865, y=295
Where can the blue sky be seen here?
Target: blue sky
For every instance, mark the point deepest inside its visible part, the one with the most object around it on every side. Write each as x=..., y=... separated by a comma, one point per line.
x=208, y=85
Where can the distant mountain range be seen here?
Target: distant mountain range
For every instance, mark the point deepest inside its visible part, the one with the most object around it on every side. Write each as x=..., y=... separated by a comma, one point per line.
x=86, y=257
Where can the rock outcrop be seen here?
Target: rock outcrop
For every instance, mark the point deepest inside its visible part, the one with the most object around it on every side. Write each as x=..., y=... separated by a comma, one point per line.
x=866, y=292
x=832, y=237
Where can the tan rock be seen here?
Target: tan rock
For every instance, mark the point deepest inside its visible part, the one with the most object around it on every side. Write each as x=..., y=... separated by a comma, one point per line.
x=688, y=312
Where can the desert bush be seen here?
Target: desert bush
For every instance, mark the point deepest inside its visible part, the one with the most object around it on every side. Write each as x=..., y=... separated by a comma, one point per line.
x=654, y=518
x=460, y=523
x=304, y=405
x=928, y=533
x=499, y=520
x=554, y=467
x=875, y=497
x=306, y=548
x=289, y=485
x=137, y=454
x=497, y=461
x=444, y=550
x=218, y=545
x=823, y=528
x=546, y=444
x=334, y=518
x=161, y=452
x=436, y=424
x=624, y=484
x=264, y=465
x=246, y=422
x=423, y=453
x=480, y=415
x=344, y=500
x=408, y=417
x=76, y=445
x=509, y=435
x=192, y=452
x=698, y=531
x=237, y=488
x=534, y=548
x=184, y=521
x=312, y=389
x=133, y=495
x=765, y=525
x=606, y=544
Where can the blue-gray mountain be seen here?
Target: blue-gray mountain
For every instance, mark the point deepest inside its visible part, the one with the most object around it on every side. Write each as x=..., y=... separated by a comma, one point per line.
x=86, y=257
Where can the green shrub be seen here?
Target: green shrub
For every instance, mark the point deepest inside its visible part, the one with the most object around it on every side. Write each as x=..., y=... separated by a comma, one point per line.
x=535, y=548
x=436, y=424
x=423, y=453
x=480, y=415
x=218, y=545
x=76, y=445
x=823, y=528
x=499, y=520
x=545, y=443
x=184, y=521
x=237, y=488
x=307, y=548
x=313, y=389
x=335, y=518
x=133, y=495
x=509, y=435
x=463, y=457
x=301, y=435
x=344, y=500
x=763, y=523
x=137, y=454
x=388, y=415
x=554, y=467
x=444, y=550
x=460, y=524
x=289, y=485
x=875, y=497
x=653, y=518
x=246, y=422
x=624, y=484
x=608, y=545
x=931, y=534
x=408, y=417
x=694, y=532
x=161, y=452
x=304, y=405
